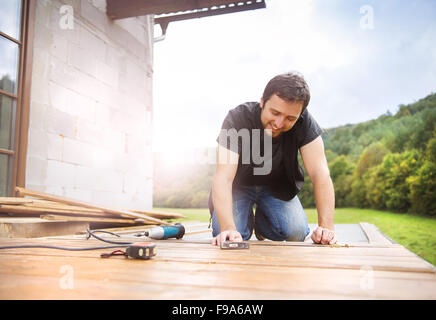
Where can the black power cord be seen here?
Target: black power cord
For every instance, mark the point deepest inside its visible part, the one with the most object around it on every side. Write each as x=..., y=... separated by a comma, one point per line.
x=104, y=240
x=103, y=231
x=138, y=250
x=60, y=248
x=135, y=250
x=90, y=233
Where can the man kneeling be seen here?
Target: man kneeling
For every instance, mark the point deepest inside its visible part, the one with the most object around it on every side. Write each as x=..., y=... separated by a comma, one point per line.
x=277, y=127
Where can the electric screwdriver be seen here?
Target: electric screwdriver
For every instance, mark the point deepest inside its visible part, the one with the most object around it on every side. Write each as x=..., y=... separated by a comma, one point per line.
x=164, y=232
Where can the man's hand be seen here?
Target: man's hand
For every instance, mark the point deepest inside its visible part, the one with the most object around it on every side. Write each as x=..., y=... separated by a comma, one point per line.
x=324, y=236
x=231, y=235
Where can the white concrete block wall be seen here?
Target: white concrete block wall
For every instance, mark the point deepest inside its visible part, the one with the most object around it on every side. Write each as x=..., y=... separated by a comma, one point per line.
x=91, y=106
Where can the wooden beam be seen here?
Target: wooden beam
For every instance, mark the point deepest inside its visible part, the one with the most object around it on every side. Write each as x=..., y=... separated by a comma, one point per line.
x=159, y=214
x=54, y=217
x=46, y=204
x=30, y=210
x=64, y=207
x=36, y=227
x=14, y=200
x=130, y=229
x=7, y=151
x=26, y=192
x=373, y=234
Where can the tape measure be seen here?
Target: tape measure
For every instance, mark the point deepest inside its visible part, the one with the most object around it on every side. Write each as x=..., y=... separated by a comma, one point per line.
x=234, y=245
x=137, y=250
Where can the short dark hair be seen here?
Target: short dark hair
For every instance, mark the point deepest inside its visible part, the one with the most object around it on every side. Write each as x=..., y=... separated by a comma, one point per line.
x=289, y=86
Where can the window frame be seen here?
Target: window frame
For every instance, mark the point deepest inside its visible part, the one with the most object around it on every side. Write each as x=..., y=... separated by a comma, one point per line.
x=22, y=97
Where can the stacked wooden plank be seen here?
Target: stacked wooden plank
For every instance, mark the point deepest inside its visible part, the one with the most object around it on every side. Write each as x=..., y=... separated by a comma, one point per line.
x=50, y=207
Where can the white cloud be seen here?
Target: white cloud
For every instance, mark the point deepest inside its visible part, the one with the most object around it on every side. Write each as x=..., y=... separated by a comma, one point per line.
x=207, y=66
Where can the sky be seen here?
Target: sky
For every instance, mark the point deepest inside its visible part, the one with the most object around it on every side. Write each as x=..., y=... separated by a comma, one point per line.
x=9, y=23
x=359, y=58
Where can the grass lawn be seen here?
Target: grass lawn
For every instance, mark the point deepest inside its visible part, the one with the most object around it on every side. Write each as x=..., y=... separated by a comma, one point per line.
x=416, y=233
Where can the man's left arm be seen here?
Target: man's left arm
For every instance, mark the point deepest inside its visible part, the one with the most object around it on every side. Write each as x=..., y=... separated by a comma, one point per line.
x=315, y=163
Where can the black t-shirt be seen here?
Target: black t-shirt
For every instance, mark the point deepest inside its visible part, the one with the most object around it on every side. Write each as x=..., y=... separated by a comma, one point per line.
x=286, y=176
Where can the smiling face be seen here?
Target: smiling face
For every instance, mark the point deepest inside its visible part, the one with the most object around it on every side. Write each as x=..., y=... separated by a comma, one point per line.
x=279, y=115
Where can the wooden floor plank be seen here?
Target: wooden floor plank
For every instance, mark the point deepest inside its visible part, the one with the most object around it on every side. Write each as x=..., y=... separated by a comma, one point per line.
x=260, y=250
x=193, y=249
x=373, y=234
x=198, y=270
x=398, y=259
x=124, y=277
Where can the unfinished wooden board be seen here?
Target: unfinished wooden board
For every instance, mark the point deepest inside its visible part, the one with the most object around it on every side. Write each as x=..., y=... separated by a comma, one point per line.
x=36, y=227
x=53, y=204
x=159, y=214
x=199, y=271
x=130, y=230
x=56, y=205
x=373, y=234
x=53, y=217
x=123, y=213
x=14, y=200
x=15, y=206
x=36, y=210
x=64, y=207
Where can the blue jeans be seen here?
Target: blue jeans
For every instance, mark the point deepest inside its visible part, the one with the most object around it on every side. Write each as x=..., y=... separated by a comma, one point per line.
x=273, y=219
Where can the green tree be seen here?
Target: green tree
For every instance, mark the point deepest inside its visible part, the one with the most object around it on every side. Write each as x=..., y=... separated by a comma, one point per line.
x=423, y=184
x=423, y=189
x=372, y=156
x=340, y=166
x=200, y=199
x=387, y=186
x=361, y=184
x=306, y=195
x=342, y=187
x=341, y=173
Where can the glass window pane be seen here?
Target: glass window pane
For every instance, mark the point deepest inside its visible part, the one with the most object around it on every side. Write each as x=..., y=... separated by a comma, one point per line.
x=5, y=174
x=7, y=121
x=10, y=16
x=8, y=65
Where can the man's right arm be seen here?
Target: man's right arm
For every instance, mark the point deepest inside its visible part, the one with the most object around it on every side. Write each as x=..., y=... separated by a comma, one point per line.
x=227, y=164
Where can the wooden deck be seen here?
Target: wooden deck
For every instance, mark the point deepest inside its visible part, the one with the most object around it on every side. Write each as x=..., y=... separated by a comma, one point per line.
x=193, y=269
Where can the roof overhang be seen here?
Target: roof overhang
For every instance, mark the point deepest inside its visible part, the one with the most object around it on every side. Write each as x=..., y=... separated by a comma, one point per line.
x=166, y=11
x=176, y=10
